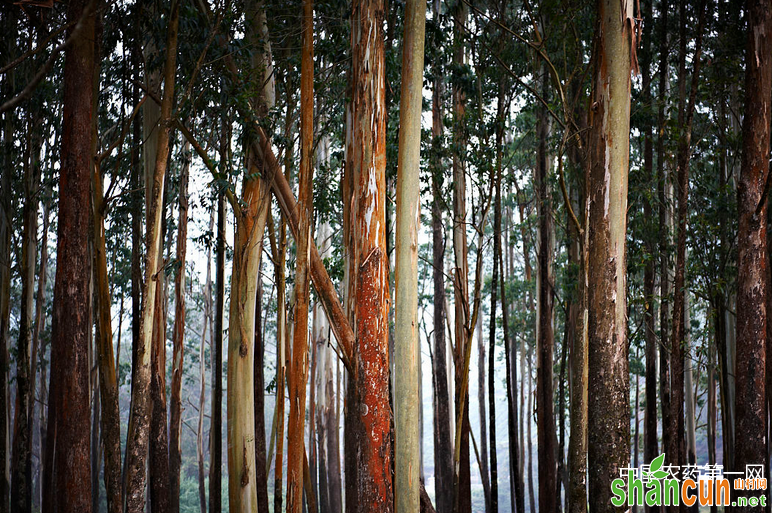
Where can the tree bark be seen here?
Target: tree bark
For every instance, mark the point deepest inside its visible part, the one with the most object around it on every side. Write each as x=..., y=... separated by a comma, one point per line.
x=369, y=381
x=299, y=362
x=178, y=340
x=215, y=432
x=545, y=340
x=609, y=389
x=139, y=423
x=108, y=379
x=752, y=242
x=407, y=352
x=443, y=462
x=21, y=457
x=69, y=437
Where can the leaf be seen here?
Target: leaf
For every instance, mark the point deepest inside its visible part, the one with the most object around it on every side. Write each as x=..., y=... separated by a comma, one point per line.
x=659, y=474
x=656, y=463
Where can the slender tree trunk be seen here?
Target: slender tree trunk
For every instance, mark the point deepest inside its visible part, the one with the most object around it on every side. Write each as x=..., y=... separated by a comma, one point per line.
x=577, y=443
x=6, y=229
x=202, y=374
x=545, y=340
x=609, y=149
x=650, y=444
x=21, y=462
x=139, y=424
x=462, y=480
x=529, y=437
x=443, y=462
x=484, y=458
x=108, y=379
x=178, y=340
x=299, y=362
x=215, y=432
x=664, y=236
x=752, y=242
x=69, y=437
x=407, y=352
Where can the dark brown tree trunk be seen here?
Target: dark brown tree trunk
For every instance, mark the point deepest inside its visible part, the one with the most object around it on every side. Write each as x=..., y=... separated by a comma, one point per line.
x=443, y=461
x=483, y=456
x=9, y=43
x=69, y=437
x=215, y=433
x=752, y=241
x=545, y=340
x=609, y=147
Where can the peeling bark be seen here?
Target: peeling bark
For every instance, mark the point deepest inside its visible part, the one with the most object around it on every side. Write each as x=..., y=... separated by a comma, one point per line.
x=609, y=147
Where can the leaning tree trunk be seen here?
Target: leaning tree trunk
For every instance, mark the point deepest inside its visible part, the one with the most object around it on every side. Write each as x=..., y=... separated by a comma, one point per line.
x=609, y=151
x=407, y=352
x=139, y=423
x=69, y=437
x=299, y=363
x=752, y=241
x=178, y=341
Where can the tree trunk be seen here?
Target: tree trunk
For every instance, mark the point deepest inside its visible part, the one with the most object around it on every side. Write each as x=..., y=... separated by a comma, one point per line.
x=215, y=431
x=577, y=442
x=178, y=340
x=462, y=480
x=202, y=374
x=69, y=437
x=21, y=462
x=139, y=423
x=108, y=379
x=299, y=362
x=443, y=462
x=545, y=340
x=609, y=389
x=369, y=382
x=407, y=352
x=158, y=457
x=6, y=230
x=650, y=444
x=664, y=236
x=752, y=242
x=484, y=458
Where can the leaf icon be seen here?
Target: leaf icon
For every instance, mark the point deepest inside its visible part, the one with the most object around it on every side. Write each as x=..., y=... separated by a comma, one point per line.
x=659, y=474
x=656, y=464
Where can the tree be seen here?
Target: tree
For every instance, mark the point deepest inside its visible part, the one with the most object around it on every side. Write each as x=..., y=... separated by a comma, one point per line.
x=407, y=354
x=608, y=406
x=139, y=422
x=368, y=393
x=299, y=363
x=71, y=315
x=752, y=242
